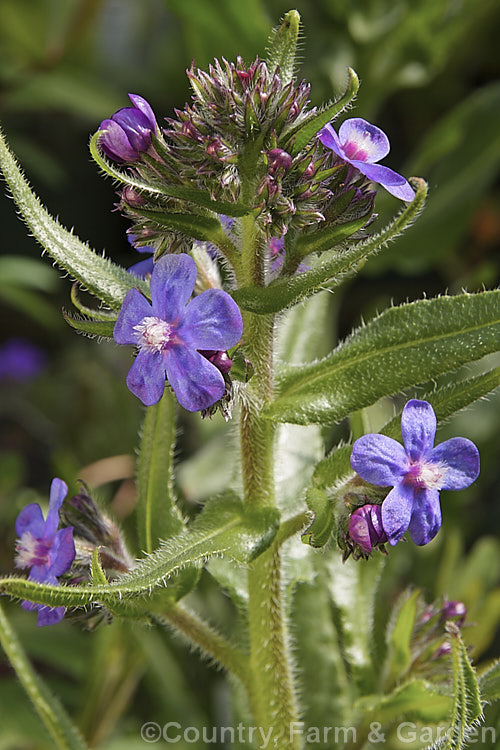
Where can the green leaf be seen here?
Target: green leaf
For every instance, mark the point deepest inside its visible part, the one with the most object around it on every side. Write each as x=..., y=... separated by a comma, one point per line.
x=105, y=280
x=320, y=531
x=93, y=313
x=401, y=347
x=332, y=271
x=98, y=575
x=65, y=735
x=467, y=707
x=416, y=698
x=183, y=193
x=353, y=588
x=225, y=526
x=399, y=637
x=92, y=327
x=326, y=239
x=300, y=135
x=282, y=47
x=158, y=516
x=489, y=683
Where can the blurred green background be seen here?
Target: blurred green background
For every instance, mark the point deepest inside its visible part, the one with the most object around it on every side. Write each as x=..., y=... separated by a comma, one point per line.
x=429, y=73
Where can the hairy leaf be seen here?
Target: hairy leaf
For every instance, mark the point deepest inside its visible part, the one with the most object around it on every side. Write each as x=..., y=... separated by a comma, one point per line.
x=401, y=347
x=225, y=526
x=102, y=278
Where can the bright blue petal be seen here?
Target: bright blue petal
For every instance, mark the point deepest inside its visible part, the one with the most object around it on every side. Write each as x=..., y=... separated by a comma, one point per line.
x=397, y=511
x=418, y=428
x=62, y=553
x=172, y=283
x=58, y=491
x=460, y=458
x=146, y=377
x=426, y=516
x=379, y=459
x=135, y=308
x=196, y=383
x=366, y=137
x=30, y=519
x=212, y=320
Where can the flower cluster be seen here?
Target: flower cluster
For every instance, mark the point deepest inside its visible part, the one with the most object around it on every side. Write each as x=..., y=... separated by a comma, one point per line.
x=170, y=332
x=417, y=472
x=47, y=551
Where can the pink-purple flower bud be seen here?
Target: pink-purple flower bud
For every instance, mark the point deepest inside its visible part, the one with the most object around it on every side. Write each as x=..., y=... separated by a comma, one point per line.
x=365, y=528
x=128, y=132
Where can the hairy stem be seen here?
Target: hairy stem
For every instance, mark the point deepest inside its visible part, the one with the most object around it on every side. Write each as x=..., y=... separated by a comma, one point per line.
x=53, y=715
x=271, y=690
x=207, y=640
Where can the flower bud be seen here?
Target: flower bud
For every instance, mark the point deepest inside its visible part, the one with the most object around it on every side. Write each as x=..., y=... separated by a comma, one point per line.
x=128, y=132
x=454, y=610
x=220, y=360
x=365, y=528
x=278, y=160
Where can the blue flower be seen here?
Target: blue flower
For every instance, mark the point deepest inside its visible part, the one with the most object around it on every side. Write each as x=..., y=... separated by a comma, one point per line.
x=47, y=551
x=361, y=144
x=144, y=267
x=417, y=472
x=128, y=133
x=169, y=333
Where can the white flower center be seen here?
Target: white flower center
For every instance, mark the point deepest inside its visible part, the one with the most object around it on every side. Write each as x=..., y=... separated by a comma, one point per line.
x=428, y=476
x=31, y=551
x=153, y=333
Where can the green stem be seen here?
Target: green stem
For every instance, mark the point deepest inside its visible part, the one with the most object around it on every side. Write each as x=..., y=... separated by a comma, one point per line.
x=207, y=640
x=271, y=690
x=64, y=733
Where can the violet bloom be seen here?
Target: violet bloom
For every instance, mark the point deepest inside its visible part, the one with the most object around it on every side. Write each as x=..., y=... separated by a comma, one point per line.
x=365, y=528
x=417, y=472
x=47, y=551
x=128, y=133
x=361, y=144
x=169, y=332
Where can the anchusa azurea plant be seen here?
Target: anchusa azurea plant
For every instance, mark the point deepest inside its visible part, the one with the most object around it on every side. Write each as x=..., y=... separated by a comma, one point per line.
x=255, y=207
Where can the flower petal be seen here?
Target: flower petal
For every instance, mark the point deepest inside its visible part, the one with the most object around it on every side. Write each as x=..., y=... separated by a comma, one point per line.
x=397, y=511
x=366, y=137
x=135, y=308
x=172, y=283
x=426, y=517
x=212, y=321
x=393, y=182
x=330, y=139
x=144, y=106
x=62, y=553
x=142, y=268
x=460, y=457
x=58, y=491
x=50, y=615
x=196, y=383
x=379, y=459
x=146, y=377
x=137, y=127
x=418, y=428
x=115, y=143
x=30, y=519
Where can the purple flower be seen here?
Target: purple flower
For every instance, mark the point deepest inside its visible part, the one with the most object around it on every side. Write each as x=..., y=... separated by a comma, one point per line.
x=417, y=472
x=47, y=551
x=128, y=133
x=21, y=360
x=361, y=144
x=365, y=527
x=169, y=332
